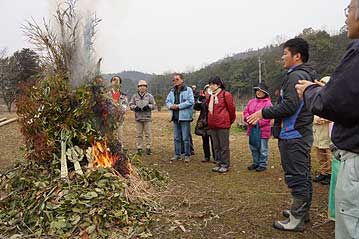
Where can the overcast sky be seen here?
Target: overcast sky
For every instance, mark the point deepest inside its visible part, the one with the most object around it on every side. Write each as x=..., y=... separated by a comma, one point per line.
x=155, y=36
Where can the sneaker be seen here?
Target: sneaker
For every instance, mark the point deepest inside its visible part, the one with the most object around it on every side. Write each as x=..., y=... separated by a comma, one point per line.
x=140, y=152
x=252, y=167
x=292, y=223
x=286, y=213
x=215, y=169
x=205, y=160
x=148, y=151
x=186, y=159
x=222, y=170
x=261, y=169
x=176, y=157
x=326, y=181
x=320, y=177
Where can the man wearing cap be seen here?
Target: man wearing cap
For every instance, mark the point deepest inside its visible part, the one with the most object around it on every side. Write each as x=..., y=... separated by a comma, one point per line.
x=338, y=101
x=180, y=102
x=142, y=104
x=120, y=99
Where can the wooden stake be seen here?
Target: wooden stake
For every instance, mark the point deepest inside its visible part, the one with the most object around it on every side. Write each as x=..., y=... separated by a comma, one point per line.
x=3, y=119
x=8, y=121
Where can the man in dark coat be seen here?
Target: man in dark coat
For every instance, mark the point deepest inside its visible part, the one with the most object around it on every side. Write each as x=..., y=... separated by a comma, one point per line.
x=338, y=101
x=293, y=128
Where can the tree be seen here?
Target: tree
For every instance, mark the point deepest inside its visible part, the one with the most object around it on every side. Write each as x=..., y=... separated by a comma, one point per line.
x=21, y=67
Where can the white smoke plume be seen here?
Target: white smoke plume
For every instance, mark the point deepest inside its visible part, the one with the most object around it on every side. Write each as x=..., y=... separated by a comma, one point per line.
x=84, y=60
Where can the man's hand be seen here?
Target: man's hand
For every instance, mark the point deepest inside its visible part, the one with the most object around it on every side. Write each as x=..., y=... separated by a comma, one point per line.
x=174, y=107
x=254, y=118
x=301, y=86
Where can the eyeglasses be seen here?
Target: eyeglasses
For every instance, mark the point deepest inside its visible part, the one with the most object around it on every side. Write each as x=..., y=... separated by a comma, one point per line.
x=175, y=79
x=347, y=10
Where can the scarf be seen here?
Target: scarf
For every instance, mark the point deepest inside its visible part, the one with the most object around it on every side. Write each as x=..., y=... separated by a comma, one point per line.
x=213, y=100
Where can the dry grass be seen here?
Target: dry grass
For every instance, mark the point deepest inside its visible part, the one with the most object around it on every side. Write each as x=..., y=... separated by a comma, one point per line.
x=201, y=204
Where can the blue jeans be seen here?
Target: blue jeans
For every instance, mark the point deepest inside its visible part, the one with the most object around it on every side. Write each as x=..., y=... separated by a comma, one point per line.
x=182, y=131
x=260, y=156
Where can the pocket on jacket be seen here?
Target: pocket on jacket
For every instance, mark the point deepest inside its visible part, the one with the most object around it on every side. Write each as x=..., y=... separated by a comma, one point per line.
x=350, y=217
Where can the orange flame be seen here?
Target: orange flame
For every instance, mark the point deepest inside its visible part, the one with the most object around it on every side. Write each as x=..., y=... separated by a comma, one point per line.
x=102, y=156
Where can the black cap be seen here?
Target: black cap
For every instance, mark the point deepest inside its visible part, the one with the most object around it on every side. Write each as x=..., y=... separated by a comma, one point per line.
x=263, y=87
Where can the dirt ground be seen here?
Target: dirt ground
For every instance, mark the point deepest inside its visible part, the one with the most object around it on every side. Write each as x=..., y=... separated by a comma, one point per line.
x=198, y=203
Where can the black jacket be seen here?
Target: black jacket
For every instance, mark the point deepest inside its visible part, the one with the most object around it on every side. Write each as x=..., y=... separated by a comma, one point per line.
x=290, y=112
x=338, y=100
x=201, y=106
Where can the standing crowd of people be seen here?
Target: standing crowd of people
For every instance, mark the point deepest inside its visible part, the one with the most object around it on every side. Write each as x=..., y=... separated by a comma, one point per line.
x=308, y=110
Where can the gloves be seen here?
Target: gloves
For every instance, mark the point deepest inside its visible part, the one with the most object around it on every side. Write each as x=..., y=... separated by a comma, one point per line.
x=146, y=108
x=137, y=109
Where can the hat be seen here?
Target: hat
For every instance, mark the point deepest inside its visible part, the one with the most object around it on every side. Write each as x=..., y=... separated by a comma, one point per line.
x=216, y=80
x=325, y=79
x=205, y=87
x=142, y=83
x=262, y=87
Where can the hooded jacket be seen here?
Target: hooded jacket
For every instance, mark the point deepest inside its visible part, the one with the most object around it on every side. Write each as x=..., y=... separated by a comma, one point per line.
x=338, y=100
x=295, y=119
x=264, y=124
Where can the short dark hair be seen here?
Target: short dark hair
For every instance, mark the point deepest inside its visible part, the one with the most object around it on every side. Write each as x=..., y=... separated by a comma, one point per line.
x=298, y=45
x=180, y=75
x=114, y=78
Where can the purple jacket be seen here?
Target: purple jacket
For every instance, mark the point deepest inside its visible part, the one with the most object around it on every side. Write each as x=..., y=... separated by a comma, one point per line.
x=253, y=106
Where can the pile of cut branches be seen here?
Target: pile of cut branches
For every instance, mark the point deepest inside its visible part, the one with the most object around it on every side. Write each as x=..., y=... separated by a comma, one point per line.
x=34, y=203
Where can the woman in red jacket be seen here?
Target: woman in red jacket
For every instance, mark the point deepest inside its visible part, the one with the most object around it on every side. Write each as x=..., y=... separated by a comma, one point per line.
x=221, y=114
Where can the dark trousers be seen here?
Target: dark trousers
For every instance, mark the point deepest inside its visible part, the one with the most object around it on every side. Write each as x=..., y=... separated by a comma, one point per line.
x=207, y=144
x=220, y=139
x=295, y=158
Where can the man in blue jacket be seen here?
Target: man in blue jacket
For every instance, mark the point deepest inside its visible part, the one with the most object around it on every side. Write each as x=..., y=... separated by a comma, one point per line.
x=180, y=102
x=294, y=133
x=338, y=101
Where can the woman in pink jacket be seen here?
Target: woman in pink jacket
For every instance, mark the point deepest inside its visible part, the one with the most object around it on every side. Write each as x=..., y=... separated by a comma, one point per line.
x=259, y=151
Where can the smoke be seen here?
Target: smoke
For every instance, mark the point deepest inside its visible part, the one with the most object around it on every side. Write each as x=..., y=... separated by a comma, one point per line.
x=86, y=54
x=78, y=35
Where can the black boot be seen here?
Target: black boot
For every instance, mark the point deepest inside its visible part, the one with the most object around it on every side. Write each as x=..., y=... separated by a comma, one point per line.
x=286, y=213
x=320, y=177
x=292, y=223
x=296, y=217
x=326, y=181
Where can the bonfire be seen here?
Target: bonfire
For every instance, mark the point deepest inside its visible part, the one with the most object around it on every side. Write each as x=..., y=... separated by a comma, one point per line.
x=76, y=180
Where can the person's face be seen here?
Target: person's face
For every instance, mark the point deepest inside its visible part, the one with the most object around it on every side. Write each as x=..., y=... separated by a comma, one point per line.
x=260, y=93
x=142, y=89
x=177, y=81
x=206, y=92
x=213, y=87
x=290, y=60
x=351, y=22
x=116, y=84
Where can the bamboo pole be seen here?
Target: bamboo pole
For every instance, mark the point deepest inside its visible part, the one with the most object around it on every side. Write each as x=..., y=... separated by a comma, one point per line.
x=3, y=119
x=8, y=121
